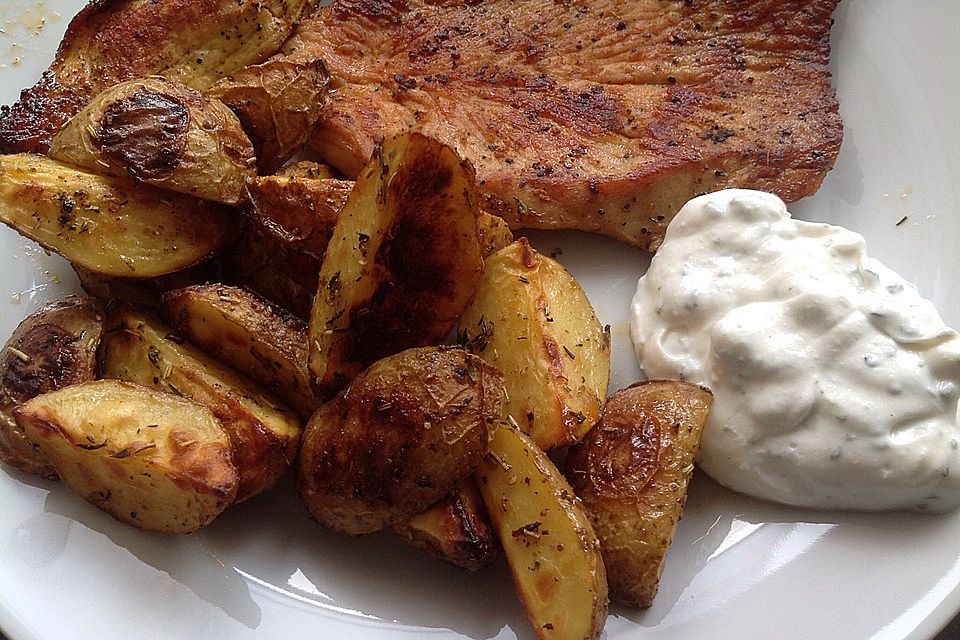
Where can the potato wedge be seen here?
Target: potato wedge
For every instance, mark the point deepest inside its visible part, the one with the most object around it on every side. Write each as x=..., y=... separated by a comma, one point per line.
x=457, y=530
x=194, y=43
x=403, y=262
x=260, y=262
x=164, y=134
x=553, y=553
x=264, y=437
x=52, y=348
x=279, y=103
x=144, y=292
x=632, y=471
x=108, y=225
x=298, y=210
x=148, y=458
x=532, y=320
x=292, y=217
x=247, y=333
x=402, y=436
x=280, y=251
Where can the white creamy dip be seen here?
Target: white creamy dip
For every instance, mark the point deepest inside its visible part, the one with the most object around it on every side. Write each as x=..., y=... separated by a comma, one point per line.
x=835, y=384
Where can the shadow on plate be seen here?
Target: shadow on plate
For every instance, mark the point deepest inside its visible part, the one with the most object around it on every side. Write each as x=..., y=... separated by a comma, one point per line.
x=373, y=576
x=731, y=532
x=189, y=560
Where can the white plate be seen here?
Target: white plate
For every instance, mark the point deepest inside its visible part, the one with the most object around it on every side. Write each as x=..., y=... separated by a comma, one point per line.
x=738, y=569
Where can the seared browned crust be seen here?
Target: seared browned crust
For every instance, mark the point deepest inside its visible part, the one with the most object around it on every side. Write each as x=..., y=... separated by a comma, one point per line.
x=456, y=530
x=604, y=117
x=195, y=42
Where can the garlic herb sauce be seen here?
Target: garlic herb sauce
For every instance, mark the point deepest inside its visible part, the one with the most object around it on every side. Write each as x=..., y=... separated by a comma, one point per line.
x=835, y=383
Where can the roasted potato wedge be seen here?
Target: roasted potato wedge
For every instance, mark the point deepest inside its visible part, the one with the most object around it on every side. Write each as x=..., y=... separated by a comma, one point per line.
x=553, y=553
x=164, y=134
x=281, y=248
x=194, y=43
x=148, y=458
x=262, y=263
x=403, y=262
x=144, y=292
x=402, y=436
x=52, y=348
x=299, y=211
x=108, y=225
x=264, y=437
x=279, y=103
x=247, y=333
x=532, y=320
x=632, y=471
x=457, y=530
x=293, y=214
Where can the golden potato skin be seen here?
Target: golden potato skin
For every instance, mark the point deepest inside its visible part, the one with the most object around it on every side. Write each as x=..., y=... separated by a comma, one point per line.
x=403, y=434
x=109, y=225
x=194, y=42
x=279, y=103
x=264, y=436
x=632, y=471
x=245, y=332
x=403, y=262
x=147, y=458
x=456, y=530
x=164, y=134
x=292, y=216
x=532, y=320
x=552, y=550
x=52, y=348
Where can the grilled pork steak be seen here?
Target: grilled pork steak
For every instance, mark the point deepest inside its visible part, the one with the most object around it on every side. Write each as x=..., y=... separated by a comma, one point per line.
x=604, y=116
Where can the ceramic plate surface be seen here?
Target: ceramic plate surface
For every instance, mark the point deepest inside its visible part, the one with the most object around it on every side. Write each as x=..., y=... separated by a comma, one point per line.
x=739, y=568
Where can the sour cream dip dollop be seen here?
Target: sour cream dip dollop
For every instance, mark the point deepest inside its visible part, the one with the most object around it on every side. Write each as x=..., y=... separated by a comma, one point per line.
x=835, y=383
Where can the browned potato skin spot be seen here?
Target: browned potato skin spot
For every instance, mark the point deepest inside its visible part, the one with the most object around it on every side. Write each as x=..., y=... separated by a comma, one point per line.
x=52, y=348
x=399, y=438
x=632, y=471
